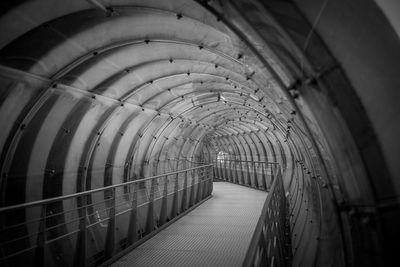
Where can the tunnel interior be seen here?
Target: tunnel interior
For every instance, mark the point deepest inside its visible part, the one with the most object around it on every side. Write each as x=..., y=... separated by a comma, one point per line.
x=100, y=92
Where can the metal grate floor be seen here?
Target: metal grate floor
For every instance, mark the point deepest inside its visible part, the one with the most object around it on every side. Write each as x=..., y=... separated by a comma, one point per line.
x=217, y=233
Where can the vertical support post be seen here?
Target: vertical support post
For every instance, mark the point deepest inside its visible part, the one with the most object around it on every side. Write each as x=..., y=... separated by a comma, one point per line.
x=164, y=204
x=218, y=169
x=132, y=231
x=211, y=179
x=41, y=239
x=199, y=185
x=175, y=209
x=272, y=174
x=191, y=202
x=231, y=176
x=263, y=173
x=150, y=211
x=227, y=178
x=248, y=174
x=235, y=172
x=110, y=240
x=223, y=168
x=241, y=173
x=255, y=175
x=184, y=197
x=80, y=254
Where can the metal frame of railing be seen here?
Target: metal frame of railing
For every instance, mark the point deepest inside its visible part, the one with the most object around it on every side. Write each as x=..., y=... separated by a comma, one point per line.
x=267, y=246
x=256, y=174
x=29, y=229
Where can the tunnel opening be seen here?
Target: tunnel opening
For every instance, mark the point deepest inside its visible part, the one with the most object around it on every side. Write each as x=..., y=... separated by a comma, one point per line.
x=136, y=98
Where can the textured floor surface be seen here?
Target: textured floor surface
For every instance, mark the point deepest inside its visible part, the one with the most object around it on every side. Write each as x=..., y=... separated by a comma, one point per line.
x=217, y=233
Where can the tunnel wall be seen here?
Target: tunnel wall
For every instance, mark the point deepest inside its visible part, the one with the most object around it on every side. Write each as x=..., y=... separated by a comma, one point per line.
x=95, y=93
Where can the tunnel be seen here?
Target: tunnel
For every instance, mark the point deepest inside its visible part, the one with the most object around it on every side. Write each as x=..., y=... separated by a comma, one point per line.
x=98, y=94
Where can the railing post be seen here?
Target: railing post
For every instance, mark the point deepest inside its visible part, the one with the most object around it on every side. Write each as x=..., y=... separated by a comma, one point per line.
x=226, y=172
x=150, y=212
x=164, y=208
x=231, y=177
x=208, y=177
x=110, y=240
x=248, y=174
x=235, y=171
x=223, y=169
x=199, y=186
x=272, y=173
x=41, y=239
x=220, y=170
x=80, y=254
x=263, y=173
x=184, y=197
x=255, y=175
x=175, y=209
x=191, y=202
x=241, y=172
x=132, y=231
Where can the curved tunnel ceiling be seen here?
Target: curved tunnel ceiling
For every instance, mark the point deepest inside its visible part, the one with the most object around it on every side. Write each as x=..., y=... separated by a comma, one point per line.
x=150, y=71
x=101, y=92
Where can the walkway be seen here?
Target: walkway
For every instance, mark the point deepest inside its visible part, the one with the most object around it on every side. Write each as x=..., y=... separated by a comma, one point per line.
x=217, y=233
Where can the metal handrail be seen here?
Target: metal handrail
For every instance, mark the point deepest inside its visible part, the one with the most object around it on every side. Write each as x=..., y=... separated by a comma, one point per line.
x=83, y=193
x=175, y=191
x=252, y=161
x=259, y=252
